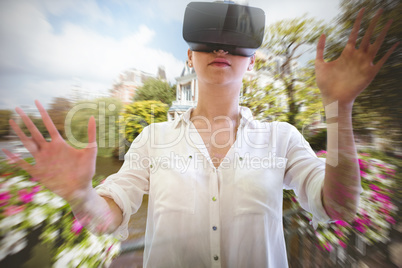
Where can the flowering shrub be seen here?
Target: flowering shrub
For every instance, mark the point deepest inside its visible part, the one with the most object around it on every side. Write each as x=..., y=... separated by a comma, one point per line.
x=26, y=206
x=376, y=211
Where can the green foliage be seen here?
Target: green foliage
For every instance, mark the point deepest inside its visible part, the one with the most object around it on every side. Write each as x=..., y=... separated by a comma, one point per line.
x=39, y=125
x=287, y=37
x=106, y=113
x=138, y=115
x=156, y=89
x=318, y=141
x=264, y=102
x=293, y=95
x=379, y=105
x=5, y=115
x=308, y=96
x=59, y=107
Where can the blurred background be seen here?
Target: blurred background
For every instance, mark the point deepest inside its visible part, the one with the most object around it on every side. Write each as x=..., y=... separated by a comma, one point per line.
x=124, y=62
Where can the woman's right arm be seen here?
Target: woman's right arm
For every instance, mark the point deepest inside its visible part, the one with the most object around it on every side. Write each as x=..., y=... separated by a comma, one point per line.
x=67, y=172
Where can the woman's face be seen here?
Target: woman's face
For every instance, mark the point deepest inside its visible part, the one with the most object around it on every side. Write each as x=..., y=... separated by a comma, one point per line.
x=219, y=67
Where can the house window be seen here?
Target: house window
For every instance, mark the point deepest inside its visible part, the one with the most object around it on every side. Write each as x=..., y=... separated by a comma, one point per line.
x=187, y=92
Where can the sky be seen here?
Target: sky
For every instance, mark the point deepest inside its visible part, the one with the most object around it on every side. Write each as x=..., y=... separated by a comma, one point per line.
x=47, y=47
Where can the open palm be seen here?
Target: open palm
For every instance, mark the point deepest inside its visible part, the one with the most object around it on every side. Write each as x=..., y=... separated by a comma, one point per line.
x=346, y=77
x=61, y=168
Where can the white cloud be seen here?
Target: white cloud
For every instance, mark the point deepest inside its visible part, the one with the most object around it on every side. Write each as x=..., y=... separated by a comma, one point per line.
x=30, y=46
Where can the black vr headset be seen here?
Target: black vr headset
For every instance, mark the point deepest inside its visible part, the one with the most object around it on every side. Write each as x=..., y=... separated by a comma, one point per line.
x=213, y=26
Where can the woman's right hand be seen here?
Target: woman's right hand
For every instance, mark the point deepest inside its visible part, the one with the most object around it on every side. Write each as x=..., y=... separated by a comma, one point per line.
x=62, y=169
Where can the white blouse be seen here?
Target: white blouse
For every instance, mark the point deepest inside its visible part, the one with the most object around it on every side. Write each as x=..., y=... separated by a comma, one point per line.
x=202, y=216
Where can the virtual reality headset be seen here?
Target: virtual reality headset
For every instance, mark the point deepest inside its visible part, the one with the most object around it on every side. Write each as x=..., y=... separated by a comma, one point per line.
x=235, y=28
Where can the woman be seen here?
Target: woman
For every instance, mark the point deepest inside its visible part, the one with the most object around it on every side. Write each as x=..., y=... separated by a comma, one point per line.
x=215, y=176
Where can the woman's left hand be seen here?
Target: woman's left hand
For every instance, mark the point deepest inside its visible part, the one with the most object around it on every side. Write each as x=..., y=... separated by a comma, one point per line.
x=345, y=78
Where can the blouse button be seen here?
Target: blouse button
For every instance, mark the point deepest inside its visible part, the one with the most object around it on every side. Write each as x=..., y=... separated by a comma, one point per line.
x=216, y=257
x=214, y=228
x=214, y=198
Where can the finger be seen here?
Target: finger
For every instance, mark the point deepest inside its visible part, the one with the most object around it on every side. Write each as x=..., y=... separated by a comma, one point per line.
x=366, y=39
x=36, y=135
x=18, y=161
x=381, y=62
x=91, y=133
x=380, y=39
x=356, y=27
x=51, y=128
x=320, y=49
x=31, y=146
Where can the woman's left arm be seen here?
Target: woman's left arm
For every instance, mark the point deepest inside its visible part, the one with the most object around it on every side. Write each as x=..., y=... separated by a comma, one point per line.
x=340, y=82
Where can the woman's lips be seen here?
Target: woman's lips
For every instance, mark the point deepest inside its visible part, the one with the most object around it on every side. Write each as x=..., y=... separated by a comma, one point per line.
x=220, y=62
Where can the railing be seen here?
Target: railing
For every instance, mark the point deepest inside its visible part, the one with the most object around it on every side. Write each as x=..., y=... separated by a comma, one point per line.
x=184, y=102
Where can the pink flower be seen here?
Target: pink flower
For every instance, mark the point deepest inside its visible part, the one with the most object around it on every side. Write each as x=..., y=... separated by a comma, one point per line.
x=390, y=219
x=387, y=205
x=358, y=225
x=361, y=229
x=341, y=223
x=76, y=227
x=366, y=221
x=4, y=197
x=25, y=196
x=328, y=246
x=381, y=165
x=363, y=164
x=36, y=189
x=320, y=153
x=384, y=211
x=342, y=244
x=339, y=233
x=363, y=174
x=12, y=210
x=374, y=187
x=365, y=154
x=382, y=176
x=294, y=200
x=390, y=171
x=381, y=197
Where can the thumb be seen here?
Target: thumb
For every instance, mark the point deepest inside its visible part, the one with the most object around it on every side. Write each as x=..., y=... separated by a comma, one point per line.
x=91, y=133
x=320, y=49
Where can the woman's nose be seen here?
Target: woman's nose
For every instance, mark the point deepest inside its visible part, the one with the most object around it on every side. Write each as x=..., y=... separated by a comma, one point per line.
x=220, y=51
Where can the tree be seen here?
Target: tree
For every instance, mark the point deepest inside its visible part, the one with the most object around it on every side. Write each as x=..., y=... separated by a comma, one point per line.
x=379, y=105
x=37, y=121
x=140, y=114
x=5, y=115
x=289, y=40
x=156, y=89
x=264, y=101
x=59, y=108
x=106, y=113
x=292, y=95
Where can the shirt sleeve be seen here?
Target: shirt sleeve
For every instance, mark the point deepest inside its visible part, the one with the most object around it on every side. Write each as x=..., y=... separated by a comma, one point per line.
x=304, y=174
x=130, y=183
